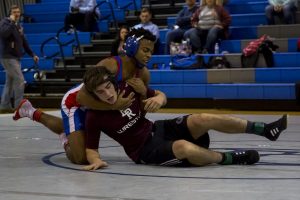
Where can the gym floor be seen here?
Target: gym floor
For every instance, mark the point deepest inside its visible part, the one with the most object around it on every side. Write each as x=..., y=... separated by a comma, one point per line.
x=33, y=166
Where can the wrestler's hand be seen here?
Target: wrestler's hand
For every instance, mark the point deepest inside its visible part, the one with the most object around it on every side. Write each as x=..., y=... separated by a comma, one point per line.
x=138, y=85
x=96, y=165
x=123, y=102
x=153, y=104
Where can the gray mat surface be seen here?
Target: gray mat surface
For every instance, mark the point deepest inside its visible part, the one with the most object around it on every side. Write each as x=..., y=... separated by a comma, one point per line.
x=33, y=166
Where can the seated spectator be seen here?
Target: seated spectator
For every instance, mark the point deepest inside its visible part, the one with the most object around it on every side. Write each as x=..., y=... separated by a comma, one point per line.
x=183, y=23
x=117, y=45
x=145, y=17
x=285, y=9
x=211, y=23
x=82, y=15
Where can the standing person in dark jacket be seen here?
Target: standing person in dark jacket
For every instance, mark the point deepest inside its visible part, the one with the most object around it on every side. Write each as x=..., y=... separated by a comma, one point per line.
x=13, y=42
x=183, y=23
x=117, y=45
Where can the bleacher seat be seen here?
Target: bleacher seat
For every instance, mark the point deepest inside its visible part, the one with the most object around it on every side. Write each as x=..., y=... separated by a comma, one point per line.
x=44, y=64
x=53, y=27
x=39, y=38
x=229, y=91
x=248, y=23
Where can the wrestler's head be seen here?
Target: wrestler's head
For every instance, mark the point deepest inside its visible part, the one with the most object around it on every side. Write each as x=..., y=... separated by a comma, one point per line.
x=100, y=83
x=140, y=45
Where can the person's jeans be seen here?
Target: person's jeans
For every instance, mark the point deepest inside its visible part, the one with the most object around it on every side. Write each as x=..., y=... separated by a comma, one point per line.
x=14, y=83
x=82, y=21
x=175, y=35
x=287, y=13
x=204, y=39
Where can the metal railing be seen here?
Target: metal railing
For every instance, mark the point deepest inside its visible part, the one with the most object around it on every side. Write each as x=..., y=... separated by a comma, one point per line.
x=127, y=5
x=38, y=76
x=58, y=41
x=112, y=13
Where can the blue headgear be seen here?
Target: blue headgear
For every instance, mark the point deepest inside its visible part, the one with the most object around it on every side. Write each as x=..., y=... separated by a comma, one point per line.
x=131, y=45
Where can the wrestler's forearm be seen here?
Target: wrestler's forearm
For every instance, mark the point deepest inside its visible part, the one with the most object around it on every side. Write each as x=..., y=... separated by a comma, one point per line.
x=92, y=155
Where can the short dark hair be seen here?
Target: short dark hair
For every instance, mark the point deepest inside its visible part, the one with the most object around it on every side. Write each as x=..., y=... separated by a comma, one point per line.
x=142, y=32
x=13, y=7
x=95, y=76
x=146, y=10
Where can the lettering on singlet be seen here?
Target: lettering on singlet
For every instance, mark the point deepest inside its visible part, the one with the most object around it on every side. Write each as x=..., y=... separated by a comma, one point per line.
x=128, y=113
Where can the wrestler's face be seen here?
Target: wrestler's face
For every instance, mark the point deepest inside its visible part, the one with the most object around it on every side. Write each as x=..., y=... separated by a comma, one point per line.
x=145, y=51
x=106, y=92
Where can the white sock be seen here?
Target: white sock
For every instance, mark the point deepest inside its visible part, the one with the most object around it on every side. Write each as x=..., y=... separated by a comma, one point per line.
x=63, y=139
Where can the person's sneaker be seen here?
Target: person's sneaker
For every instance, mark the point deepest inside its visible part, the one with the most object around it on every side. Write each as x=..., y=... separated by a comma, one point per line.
x=24, y=109
x=248, y=157
x=273, y=130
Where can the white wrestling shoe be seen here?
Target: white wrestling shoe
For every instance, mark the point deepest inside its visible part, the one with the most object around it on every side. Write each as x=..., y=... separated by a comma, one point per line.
x=25, y=109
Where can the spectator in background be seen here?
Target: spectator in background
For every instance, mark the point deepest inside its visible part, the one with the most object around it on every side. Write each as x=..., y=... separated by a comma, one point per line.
x=211, y=23
x=183, y=23
x=145, y=17
x=82, y=15
x=285, y=9
x=12, y=42
x=117, y=45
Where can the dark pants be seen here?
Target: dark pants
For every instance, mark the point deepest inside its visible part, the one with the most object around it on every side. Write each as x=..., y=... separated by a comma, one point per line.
x=175, y=35
x=82, y=21
x=287, y=14
x=157, y=48
x=204, y=39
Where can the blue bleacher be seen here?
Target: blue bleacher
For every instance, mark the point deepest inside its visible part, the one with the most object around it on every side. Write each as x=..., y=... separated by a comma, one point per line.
x=247, y=7
x=52, y=6
x=237, y=20
x=44, y=64
x=60, y=16
x=53, y=27
x=28, y=77
x=236, y=33
x=51, y=49
x=262, y=75
x=290, y=59
x=234, y=46
x=268, y=83
x=228, y=91
x=39, y=38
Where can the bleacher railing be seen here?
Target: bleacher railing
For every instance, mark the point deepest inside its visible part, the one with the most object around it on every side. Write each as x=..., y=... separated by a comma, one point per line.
x=57, y=39
x=99, y=4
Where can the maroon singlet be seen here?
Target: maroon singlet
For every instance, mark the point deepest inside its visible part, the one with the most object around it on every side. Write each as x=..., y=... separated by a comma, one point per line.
x=128, y=127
